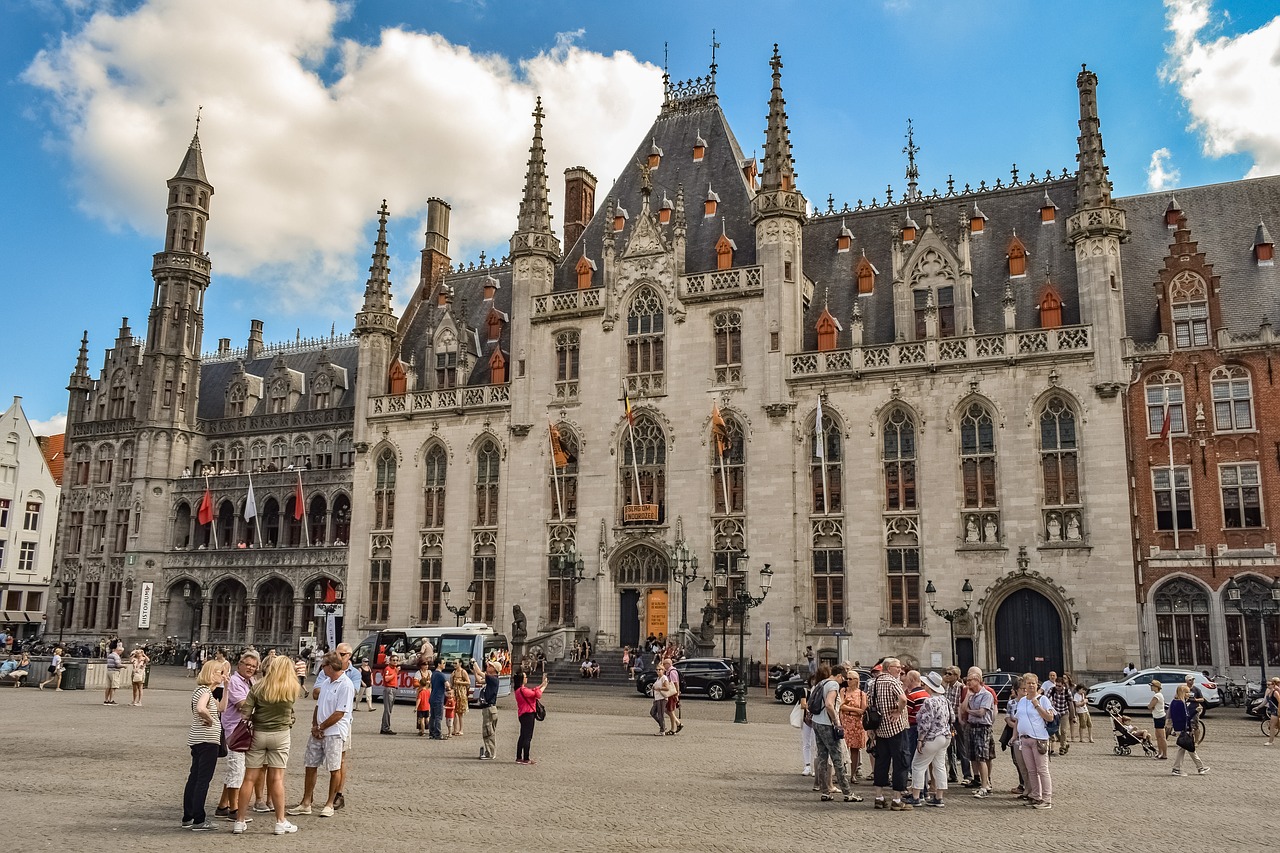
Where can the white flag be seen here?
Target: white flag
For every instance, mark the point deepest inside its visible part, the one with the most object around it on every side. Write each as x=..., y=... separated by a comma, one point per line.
x=250, y=505
x=818, y=435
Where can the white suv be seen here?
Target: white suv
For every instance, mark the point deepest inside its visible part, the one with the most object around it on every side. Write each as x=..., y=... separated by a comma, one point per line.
x=1115, y=697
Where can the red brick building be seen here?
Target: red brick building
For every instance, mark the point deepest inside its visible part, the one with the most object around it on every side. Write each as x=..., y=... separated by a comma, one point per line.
x=1203, y=414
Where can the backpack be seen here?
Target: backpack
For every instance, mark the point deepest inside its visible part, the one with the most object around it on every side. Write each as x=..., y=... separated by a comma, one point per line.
x=815, y=699
x=872, y=718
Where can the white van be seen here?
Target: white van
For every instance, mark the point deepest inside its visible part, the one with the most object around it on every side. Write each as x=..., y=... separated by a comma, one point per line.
x=471, y=643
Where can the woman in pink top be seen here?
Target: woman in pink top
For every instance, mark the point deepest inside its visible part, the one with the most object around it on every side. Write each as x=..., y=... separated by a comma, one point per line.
x=526, y=704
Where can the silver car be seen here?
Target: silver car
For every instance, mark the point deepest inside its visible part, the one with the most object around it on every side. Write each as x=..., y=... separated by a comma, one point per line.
x=1115, y=697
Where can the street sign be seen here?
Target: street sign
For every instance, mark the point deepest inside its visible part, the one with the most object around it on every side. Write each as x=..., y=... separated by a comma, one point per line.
x=324, y=610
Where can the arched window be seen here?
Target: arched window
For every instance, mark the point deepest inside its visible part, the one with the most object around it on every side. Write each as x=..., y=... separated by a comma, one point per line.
x=1017, y=254
x=126, y=461
x=324, y=452
x=302, y=452
x=1232, y=399
x=257, y=456
x=978, y=476
x=902, y=564
x=118, y=395
x=294, y=517
x=346, y=451
x=645, y=343
x=274, y=623
x=321, y=391
x=433, y=487
x=1059, y=471
x=644, y=469
x=226, y=525
x=384, y=492
x=341, y=520
x=899, y=462
x=317, y=520
x=446, y=352
x=1050, y=309
x=181, y=538
x=279, y=400
x=237, y=394
x=564, y=474
x=1182, y=624
x=487, y=470
x=270, y=521
x=827, y=329
x=82, y=465
x=236, y=460
x=825, y=459
x=218, y=458
x=1189, y=307
x=1164, y=392
x=396, y=376
x=728, y=470
x=105, y=460
x=727, y=327
x=279, y=455
x=1245, y=635
x=567, y=352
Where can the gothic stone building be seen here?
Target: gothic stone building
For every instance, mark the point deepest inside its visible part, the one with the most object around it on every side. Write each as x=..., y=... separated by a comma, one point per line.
x=162, y=425
x=921, y=391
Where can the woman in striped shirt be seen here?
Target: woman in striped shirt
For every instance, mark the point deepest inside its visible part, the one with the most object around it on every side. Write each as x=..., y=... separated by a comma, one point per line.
x=203, y=738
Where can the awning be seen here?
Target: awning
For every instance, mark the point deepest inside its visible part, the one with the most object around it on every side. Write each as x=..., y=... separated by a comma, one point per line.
x=21, y=617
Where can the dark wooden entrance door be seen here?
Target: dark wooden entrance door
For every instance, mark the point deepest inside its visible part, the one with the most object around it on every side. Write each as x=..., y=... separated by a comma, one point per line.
x=1028, y=634
x=964, y=653
x=629, y=618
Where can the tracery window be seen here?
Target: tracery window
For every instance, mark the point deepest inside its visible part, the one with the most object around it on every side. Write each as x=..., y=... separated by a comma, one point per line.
x=645, y=338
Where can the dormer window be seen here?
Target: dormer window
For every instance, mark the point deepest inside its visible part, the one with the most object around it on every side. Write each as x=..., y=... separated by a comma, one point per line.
x=828, y=329
x=711, y=204
x=1050, y=309
x=1263, y=246
x=1048, y=210
x=494, y=324
x=619, y=219
x=845, y=241
x=909, y=230
x=397, y=379
x=866, y=275
x=749, y=171
x=1189, y=308
x=321, y=392
x=977, y=220
x=1172, y=213
x=497, y=368
x=447, y=360
x=699, y=148
x=1017, y=256
x=724, y=252
x=664, y=211
x=279, y=401
x=585, y=268
x=655, y=154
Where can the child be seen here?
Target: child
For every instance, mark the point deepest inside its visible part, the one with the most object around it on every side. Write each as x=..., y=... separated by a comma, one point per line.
x=449, y=708
x=424, y=705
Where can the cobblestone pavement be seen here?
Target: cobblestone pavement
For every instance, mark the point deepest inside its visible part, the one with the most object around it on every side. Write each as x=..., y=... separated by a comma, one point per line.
x=78, y=776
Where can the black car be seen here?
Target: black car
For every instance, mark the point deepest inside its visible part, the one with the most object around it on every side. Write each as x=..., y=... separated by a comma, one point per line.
x=710, y=677
x=789, y=692
x=1003, y=683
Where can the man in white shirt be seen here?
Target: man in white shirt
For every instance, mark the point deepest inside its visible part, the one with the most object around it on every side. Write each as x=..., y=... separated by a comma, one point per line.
x=1129, y=670
x=330, y=732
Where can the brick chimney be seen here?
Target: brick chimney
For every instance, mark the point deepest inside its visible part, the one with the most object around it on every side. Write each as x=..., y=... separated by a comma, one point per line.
x=579, y=203
x=435, y=251
x=255, y=340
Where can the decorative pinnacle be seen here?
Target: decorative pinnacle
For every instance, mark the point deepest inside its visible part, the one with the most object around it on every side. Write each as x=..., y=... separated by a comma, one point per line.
x=82, y=360
x=777, y=168
x=913, y=173
x=377, y=291
x=535, y=208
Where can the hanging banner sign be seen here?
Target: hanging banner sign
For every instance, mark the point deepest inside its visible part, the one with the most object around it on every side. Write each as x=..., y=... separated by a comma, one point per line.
x=144, y=605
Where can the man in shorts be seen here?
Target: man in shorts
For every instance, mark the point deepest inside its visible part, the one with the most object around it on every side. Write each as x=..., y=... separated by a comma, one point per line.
x=980, y=714
x=233, y=765
x=330, y=734
x=115, y=673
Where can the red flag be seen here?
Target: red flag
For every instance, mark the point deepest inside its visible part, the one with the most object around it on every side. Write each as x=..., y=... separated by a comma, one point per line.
x=205, y=514
x=1164, y=429
x=330, y=594
x=298, y=510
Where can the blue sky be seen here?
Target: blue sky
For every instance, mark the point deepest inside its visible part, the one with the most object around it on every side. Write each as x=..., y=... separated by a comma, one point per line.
x=316, y=110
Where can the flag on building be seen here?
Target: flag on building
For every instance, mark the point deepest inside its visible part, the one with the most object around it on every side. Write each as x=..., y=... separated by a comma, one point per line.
x=250, y=505
x=205, y=514
x=557, y=450
x=1164, y=428
x=298, y=500
x=719, y=430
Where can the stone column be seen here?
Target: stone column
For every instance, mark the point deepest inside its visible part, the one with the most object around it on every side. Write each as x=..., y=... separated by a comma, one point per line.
x=162, y=623
x=298, y=624
x=205, y=608
x=251, y=621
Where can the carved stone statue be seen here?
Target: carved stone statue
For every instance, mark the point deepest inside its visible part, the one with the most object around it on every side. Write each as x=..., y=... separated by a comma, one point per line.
x=519, y=630
x=707, y=631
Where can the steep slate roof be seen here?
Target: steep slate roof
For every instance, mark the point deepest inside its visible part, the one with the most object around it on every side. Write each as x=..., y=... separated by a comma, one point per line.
x=468, y=290
x=675, y=131
x=1223, y=220
x=1006, y=210
x=216, y=377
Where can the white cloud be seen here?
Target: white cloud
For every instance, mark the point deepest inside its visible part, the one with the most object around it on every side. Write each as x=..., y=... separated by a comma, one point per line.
x=1160, y=175
x=1228, y=83
x=304, y=133
x=55, y=425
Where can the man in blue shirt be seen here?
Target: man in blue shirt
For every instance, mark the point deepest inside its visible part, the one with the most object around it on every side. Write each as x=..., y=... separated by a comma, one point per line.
x=439, y=686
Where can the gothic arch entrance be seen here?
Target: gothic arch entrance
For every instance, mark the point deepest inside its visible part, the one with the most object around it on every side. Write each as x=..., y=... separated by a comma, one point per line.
x=1028, y=634
x=640, y=575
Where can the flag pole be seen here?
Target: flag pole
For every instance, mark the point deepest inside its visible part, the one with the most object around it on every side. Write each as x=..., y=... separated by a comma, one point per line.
x=631, y=432
x=724, y=482
x=1173, y=474
x=257, y=525
x=213, y=516
x=555, y=472
x=302, y=502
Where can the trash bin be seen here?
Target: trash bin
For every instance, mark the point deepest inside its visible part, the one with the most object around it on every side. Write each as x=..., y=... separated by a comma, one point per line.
x=73, y=674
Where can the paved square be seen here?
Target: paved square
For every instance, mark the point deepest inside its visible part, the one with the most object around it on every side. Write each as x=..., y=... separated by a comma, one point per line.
x=78, y=776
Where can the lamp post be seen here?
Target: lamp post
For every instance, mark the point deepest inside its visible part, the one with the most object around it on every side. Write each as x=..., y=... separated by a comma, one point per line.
x=931, y=596
x=194, y=597
x=328, y=610
x=459, y=613
x=1255, y=600
x=740, y=605
x=68, y=595
x=570, y=568
x=684, y=568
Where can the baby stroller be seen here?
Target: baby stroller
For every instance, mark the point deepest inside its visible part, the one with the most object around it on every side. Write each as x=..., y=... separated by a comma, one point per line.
x=1127, y=740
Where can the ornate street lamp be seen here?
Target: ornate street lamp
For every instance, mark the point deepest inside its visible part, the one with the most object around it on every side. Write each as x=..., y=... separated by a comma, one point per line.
x=460, y=613
x=743, y=603
x=931, y=596
x=193, y=595
x=684, y=568
x=571, y=567
x=64, y=601
x=1255, y=601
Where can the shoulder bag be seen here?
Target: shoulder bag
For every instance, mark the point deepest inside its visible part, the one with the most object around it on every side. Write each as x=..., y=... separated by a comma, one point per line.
x=872, y=718
x=1186, y=741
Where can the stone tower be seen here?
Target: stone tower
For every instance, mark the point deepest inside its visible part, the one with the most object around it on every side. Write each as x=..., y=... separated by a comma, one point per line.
x=375, y=322
x=778, y=212
x=1095, y=231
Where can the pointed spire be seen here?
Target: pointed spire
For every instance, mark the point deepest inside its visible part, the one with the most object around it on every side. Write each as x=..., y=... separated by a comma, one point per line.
x=82, y=360
x=535, y=209
x=377, y=291
x=192, y=168
x=779, y=168
x=1262, y=236
x=1093, y=190
x=913, y=173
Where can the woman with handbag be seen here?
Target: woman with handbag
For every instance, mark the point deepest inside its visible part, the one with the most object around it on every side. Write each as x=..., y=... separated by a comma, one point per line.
x=527, y=707
x=204, y=739
x=268, y=711
x=1183, y=718
x=55, y=671
x=1032, y=713
x=659, y=694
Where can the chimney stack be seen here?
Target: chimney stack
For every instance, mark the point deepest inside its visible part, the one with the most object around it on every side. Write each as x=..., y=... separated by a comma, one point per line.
x=579, y=203
x=224, y=346
x=435, y=250
x=255, y=340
